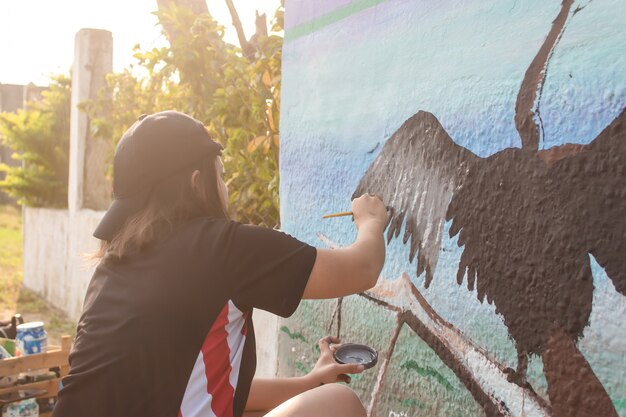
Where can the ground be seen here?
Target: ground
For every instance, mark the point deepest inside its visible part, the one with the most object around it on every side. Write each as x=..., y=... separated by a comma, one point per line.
x=14, y=298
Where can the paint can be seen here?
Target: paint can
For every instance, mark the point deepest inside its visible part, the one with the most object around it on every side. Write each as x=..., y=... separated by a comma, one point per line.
x=31, y=339
x=355, y=353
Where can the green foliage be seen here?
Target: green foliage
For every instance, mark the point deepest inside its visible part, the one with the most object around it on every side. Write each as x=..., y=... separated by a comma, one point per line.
x=39, y=135
x=238, y=99
x=302, y=368
x=620, y=404
x=428, y=372
x=411, y=402
x=292, y=335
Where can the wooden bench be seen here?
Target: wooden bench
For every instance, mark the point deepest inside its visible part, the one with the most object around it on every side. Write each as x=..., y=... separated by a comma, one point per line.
x=55, y=357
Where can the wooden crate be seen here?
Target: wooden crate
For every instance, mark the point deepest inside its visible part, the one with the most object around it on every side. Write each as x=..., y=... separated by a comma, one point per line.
x=55, y=357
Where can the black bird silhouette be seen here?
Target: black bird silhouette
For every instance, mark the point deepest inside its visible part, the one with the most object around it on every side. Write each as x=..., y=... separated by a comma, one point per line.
x=527, y=220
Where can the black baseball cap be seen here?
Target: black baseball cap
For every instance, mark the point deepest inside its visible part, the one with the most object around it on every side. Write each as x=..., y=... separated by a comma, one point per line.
x=154, y=148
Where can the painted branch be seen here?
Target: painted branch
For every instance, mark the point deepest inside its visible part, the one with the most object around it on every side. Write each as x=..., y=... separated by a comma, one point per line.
x=482, y=375
x=533, y=82
x=332, y=319
x=487, y=400
x=339, y=304
x=336, y=314
x=382, y=373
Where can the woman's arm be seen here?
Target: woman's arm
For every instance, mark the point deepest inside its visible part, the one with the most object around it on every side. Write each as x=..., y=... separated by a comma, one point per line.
x=266, y=394
x=355, y=268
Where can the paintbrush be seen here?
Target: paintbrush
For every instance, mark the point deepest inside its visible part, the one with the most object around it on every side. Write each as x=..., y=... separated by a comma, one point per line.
x=343, y=213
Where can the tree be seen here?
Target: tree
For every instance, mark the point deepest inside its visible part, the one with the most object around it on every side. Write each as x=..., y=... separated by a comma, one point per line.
x=235, y=94
x=235, y=90
x=39, y=134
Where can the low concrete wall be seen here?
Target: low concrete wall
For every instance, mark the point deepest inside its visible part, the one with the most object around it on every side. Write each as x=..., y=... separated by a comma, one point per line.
x=266, y=334
x=54, y=245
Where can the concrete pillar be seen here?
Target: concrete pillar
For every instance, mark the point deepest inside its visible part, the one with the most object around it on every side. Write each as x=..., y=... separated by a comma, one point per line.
x=93, y=59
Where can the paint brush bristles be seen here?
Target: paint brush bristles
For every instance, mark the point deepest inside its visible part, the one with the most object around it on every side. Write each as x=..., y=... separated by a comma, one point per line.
x=343, y=213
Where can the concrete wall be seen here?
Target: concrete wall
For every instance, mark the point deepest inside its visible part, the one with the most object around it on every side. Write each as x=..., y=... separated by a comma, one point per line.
x=54, y=249
x=496, y=133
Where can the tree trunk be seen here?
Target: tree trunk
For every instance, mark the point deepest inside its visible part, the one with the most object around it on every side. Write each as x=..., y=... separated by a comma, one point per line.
x=246, y=47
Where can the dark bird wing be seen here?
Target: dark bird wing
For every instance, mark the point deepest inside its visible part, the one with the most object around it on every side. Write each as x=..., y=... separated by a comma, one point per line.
x=416, y=173
x=591, y=186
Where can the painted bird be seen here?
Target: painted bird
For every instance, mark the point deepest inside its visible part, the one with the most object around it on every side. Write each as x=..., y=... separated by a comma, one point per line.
x=527, y=221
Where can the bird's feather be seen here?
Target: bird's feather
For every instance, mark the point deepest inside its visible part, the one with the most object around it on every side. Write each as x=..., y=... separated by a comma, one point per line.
x=416, y=173
x=591, y=188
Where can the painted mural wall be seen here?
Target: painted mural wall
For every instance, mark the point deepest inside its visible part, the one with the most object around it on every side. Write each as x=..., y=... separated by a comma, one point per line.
x=495, y=131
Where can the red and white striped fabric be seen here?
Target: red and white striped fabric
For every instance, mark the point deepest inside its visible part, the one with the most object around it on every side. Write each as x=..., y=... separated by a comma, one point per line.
x=211, y=387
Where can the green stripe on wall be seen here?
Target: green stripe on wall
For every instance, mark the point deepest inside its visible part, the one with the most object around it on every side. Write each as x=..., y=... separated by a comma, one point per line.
x=328, y=19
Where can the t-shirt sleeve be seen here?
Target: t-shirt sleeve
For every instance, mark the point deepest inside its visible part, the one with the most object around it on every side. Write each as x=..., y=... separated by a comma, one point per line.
x=269, y=269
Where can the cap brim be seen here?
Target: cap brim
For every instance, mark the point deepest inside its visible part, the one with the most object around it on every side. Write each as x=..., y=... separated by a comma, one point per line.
x=118, y=213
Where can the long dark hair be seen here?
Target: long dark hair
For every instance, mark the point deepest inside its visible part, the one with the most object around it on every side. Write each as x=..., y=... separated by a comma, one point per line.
x=172, y=202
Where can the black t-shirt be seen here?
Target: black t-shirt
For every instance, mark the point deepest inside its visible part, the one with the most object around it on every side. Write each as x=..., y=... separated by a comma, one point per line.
x=168, y=330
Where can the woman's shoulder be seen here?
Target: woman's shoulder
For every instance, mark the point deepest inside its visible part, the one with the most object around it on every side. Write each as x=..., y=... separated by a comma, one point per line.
x=207, y=227
x=212, y=228
x=209, y=223
x=223, y=222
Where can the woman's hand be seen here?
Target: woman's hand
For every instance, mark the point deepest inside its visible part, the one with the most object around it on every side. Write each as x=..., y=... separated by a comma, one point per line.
x=369, y=208
x=267, y=394
x=326, y=370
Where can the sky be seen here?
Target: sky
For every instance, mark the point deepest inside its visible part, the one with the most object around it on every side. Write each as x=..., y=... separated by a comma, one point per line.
x=37, y=36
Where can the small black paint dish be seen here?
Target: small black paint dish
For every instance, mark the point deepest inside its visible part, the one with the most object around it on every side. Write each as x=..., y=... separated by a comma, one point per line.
x=355, y=353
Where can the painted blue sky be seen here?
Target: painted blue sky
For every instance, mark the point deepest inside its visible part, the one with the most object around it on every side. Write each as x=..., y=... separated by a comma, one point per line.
x=339, y=78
